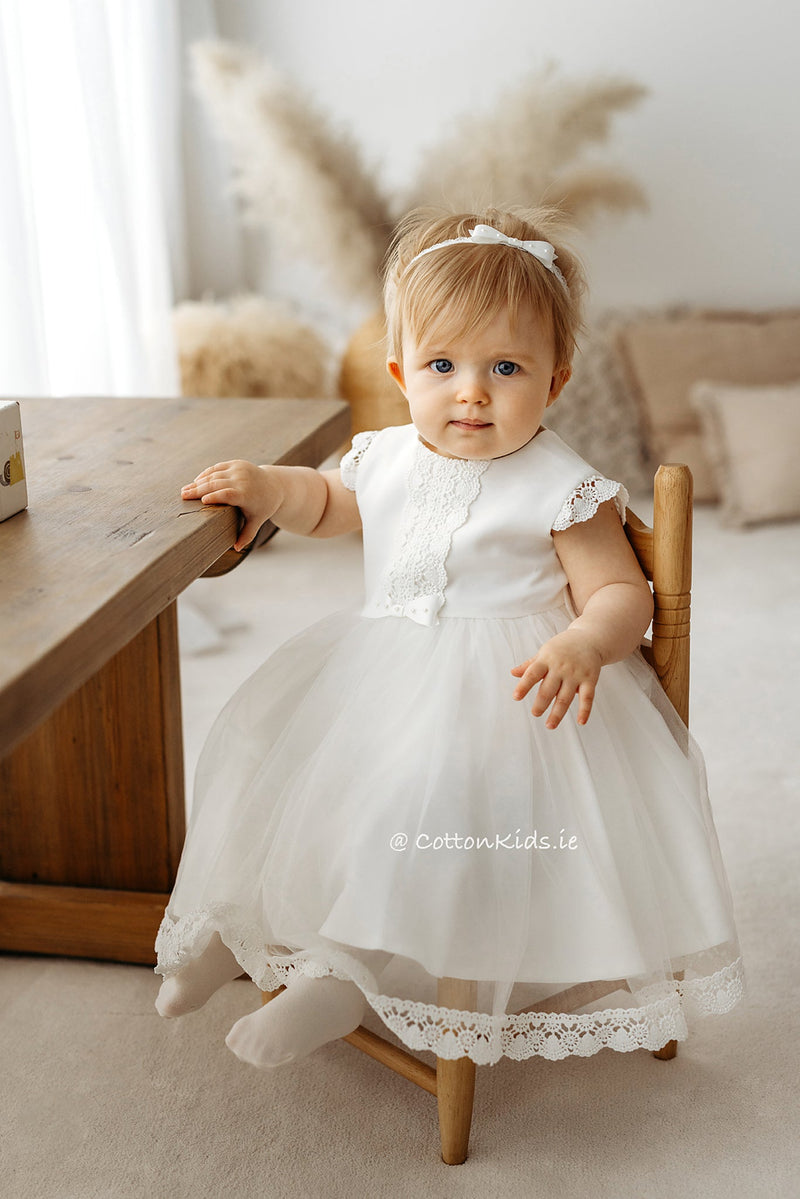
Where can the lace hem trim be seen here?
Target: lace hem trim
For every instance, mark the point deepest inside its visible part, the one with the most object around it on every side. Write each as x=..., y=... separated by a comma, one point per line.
x=582, y=503
x=350, y=462
x=449, y=1033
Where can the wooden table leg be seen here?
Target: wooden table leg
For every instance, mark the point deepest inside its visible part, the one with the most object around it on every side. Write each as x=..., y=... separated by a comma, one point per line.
x=92, y=810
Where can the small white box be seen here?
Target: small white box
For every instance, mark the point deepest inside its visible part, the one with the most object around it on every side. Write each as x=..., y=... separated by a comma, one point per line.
x=13, y=491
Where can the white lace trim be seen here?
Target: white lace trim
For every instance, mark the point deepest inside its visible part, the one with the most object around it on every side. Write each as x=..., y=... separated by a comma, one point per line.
x=451, y=1033
x=440, y=492
x=556, y=1035
x=582, y=503
x=350, y=462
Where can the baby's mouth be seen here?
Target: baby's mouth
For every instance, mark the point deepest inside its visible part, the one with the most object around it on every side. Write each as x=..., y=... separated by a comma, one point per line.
x=471, y=424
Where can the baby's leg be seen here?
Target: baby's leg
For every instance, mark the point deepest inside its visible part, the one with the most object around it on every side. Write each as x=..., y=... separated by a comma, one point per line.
x=308, y=1014
x=192, y=986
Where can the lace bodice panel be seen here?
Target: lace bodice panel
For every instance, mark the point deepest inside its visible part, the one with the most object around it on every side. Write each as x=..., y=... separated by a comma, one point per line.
x=440, y=493
x=453, y=537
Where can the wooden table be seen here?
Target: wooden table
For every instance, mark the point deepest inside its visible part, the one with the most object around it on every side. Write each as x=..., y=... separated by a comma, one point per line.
x=92, y=797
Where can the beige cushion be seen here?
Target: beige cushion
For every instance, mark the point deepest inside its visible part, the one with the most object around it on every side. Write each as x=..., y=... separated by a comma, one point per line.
x=751, y=437
x=664, y=357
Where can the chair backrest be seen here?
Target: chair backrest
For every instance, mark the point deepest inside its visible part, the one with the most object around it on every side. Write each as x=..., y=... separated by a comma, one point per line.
x=665, y=556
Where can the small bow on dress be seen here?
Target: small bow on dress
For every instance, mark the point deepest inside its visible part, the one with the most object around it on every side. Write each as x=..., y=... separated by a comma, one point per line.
x=423, y=609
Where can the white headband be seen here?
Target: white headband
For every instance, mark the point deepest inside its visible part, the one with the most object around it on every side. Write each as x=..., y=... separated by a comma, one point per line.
x=486, y=235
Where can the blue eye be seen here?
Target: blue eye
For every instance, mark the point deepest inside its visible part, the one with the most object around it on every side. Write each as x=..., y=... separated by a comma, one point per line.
x=506, y=368
x=442, y=366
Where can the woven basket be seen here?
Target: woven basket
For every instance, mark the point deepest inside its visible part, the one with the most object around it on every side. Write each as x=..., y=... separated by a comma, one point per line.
x=374, y=398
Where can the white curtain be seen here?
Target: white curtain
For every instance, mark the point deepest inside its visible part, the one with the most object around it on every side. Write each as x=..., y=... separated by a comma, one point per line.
x=91, y=209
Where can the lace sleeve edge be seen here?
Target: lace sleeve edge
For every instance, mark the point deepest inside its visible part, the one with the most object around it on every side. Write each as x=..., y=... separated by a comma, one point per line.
x=350, y=462
x=583, y=501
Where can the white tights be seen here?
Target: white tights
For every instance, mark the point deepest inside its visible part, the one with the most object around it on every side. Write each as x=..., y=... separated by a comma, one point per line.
x=308, y=1014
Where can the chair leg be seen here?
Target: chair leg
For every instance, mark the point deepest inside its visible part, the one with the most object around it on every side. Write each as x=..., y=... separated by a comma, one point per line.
x=455, y=1091
x=666, y=1052
x=455, y=1078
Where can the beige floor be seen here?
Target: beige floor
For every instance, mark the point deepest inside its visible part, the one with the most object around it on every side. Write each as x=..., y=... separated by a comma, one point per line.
x=101, y=1098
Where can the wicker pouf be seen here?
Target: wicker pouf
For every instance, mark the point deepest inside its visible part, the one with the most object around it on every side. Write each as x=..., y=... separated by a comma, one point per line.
x=375, y=399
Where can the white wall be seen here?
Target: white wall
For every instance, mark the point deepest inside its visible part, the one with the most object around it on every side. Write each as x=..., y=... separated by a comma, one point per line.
x=715, y=144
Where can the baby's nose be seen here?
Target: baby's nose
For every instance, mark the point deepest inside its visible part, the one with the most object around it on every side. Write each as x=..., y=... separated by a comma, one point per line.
x=472, y=391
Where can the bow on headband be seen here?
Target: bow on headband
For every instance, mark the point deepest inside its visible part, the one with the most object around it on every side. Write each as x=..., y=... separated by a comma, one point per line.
x=487, y=235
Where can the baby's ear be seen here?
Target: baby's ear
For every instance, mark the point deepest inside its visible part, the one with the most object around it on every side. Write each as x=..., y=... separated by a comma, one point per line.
x=396, y=371
x=558, y=383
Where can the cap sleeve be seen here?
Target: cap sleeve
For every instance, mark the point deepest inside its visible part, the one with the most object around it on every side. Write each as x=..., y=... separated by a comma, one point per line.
x=349, y=464
x=584, y=500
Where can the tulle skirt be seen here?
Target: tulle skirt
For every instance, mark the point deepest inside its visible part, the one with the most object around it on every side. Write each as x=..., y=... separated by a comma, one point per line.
x=373, y=786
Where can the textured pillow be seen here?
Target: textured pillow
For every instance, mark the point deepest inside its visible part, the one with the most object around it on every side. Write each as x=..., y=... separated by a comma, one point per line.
x=751, y=436
x=664, y=357
x=597, y=414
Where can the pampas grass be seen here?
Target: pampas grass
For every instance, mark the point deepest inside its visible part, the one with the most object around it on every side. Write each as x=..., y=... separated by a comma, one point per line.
x=296, y=174
x=249, y=347
x=520, y=151
x=583, y=192
x=307, y=182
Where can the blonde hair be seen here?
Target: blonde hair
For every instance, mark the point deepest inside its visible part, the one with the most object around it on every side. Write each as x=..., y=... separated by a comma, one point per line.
x=460, y=288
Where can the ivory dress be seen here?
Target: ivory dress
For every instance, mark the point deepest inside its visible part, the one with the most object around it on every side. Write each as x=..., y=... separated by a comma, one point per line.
x=374, y=786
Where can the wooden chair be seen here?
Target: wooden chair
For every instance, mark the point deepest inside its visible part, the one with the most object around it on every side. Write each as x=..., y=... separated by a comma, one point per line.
x=665, y=556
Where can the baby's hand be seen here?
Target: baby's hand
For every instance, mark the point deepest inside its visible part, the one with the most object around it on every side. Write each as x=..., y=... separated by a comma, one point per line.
x=567, y=664
x=243, y=485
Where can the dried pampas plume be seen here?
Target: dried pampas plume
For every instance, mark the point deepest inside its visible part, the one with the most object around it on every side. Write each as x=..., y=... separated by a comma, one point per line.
x=308, y=183
x=296, y=174
x=585, y=191
x=516, y=153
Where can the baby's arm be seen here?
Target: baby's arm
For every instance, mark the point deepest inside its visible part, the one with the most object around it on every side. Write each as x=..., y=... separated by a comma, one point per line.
x=615, y=606
x=296, y=498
